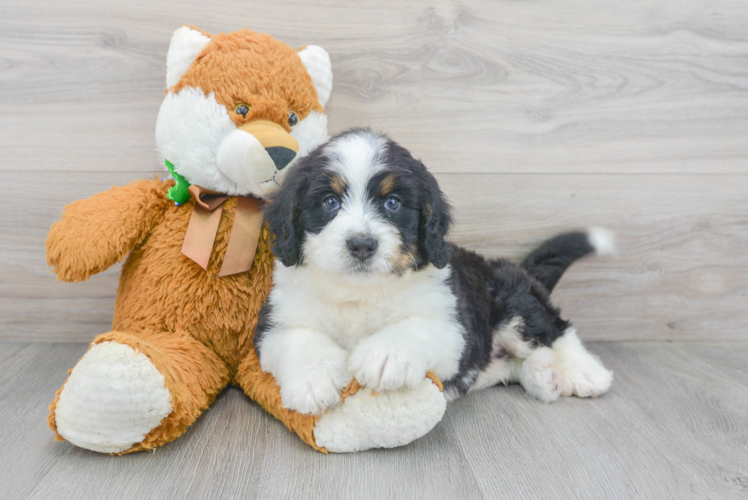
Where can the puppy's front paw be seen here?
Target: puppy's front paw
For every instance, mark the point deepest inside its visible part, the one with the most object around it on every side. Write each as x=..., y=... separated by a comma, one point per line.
x=386, y=366
x=314, y=390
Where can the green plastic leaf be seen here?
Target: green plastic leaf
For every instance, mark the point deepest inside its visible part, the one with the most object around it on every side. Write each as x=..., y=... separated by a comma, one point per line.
x=177, y=193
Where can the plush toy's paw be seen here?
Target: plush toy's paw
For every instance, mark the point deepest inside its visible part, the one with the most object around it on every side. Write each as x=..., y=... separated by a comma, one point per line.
x=382, y=365
x=312, y=391
x=539, y=375
x=368, y=420
x=112, y=399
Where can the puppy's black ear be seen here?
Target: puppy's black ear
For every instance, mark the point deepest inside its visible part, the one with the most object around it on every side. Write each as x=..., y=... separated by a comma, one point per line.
x=282, y=217
x=436, y=219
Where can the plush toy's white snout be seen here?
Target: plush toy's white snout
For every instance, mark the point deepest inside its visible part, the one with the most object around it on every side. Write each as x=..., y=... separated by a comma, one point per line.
x=255, y=155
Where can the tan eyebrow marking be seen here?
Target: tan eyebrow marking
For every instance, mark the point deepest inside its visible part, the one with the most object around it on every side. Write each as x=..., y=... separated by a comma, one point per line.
x=387, y=184
x=337, y=184
x=427, y=211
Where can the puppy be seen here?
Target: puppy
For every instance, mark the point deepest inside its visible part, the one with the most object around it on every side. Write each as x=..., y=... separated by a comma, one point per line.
x=367, y=287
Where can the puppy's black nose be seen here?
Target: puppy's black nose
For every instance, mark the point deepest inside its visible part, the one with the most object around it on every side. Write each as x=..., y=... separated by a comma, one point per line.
x=362, y=247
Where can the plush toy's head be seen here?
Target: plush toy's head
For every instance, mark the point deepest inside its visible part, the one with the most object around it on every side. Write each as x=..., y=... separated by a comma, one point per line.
x=240, y=108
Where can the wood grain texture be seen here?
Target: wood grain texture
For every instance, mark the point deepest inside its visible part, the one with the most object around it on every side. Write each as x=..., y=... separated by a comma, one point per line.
x=536, y=116
x=681, y=271
x=482, y=86
x=674, y=425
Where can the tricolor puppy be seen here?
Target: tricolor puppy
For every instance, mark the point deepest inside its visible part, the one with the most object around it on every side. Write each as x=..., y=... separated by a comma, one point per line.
x=367, y=287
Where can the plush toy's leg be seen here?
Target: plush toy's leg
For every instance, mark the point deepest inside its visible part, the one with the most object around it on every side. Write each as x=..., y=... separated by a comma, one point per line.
x=361, y=421
x=366, y=419
x=133, y=392
x=261, y=387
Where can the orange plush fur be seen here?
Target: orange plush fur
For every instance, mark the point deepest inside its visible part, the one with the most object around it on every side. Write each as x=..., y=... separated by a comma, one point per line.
x=193, y=325
x=251, y=76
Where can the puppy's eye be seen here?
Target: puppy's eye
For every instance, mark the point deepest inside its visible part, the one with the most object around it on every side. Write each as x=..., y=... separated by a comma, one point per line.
x=391, y=203
x=331, y=203
x=241, y=109
x=293, y=119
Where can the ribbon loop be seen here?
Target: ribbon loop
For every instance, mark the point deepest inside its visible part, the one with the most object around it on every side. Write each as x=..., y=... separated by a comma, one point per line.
x=203, y=227
x=209, y=200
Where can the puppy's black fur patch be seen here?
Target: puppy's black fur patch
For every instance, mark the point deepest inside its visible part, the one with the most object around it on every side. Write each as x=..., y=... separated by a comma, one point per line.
x=423, y=221
x=490, y=293
x=435, y=211
x=297, y=207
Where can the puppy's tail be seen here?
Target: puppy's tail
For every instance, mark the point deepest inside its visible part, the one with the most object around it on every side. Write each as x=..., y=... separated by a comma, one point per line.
x=549, y=261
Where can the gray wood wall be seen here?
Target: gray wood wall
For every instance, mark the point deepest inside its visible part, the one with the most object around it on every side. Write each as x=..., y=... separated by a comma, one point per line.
x=536, y=116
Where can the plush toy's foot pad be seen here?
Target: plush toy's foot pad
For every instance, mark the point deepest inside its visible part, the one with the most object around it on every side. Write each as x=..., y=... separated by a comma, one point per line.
x=386, y=419
x=112, y=399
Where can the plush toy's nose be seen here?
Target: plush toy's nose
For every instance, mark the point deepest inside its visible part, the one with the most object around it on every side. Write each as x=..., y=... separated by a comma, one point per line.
x=280, y=146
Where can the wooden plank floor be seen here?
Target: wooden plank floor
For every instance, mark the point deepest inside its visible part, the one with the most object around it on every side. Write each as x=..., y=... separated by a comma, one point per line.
x=674, y=425
x=536, y=116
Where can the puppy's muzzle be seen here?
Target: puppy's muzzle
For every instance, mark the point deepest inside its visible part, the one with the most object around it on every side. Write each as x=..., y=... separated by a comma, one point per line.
x=362, y=247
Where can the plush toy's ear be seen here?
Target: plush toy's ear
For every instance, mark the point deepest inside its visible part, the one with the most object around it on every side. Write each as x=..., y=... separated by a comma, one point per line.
x=186, y=43
x=317, y=63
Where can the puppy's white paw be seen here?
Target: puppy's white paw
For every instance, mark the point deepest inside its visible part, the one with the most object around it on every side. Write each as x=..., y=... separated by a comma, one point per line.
x=316, y=389
x=539, y=375
x=588, y=378
x=581, y=372
x=382, y=365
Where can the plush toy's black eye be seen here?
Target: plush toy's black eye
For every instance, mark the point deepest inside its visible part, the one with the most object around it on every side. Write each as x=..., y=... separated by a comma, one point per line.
x=241, y=109
x=293, y=119
x=391, y=203
x=331, y=203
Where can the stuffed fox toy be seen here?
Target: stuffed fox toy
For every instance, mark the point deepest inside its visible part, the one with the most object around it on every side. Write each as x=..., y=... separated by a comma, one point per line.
x=240, y=108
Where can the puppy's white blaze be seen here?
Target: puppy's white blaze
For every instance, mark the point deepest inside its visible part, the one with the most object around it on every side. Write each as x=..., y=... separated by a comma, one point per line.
x=392, y=327
x=356, y=158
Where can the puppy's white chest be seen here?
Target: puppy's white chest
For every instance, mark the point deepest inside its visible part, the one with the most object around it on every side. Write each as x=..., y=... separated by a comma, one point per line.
x=349, y=314
x=354, y=321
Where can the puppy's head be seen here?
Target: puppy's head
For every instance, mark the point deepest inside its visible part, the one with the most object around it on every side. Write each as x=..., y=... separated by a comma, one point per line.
x=360, y=205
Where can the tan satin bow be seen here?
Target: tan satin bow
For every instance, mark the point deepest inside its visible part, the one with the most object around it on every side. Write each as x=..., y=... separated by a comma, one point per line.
x=201, y=232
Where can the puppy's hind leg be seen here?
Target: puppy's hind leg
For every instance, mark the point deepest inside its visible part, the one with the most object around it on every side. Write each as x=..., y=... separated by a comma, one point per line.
x=581, y=373
x=539, y=375
x=535, y=368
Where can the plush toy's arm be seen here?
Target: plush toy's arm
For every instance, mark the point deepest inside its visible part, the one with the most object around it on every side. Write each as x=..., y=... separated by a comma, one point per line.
x=99, y=231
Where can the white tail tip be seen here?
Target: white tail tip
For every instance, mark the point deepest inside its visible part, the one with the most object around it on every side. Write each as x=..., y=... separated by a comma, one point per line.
x=602, y=240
